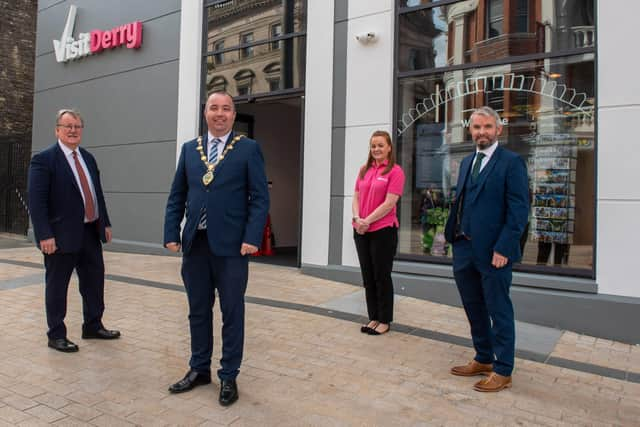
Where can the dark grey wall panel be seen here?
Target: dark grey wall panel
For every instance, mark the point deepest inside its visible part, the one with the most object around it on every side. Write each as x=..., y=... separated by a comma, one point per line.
x=137, y=168
x=138, y=106
x=341, y=11
x=45, y=4
x=137, y=216
x=340, y=74
x=128, y=100
x=98, y=15
x=160, y=44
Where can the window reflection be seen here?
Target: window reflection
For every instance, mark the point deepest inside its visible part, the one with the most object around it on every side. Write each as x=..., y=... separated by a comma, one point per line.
x=486, y=30
x=231, y=18
x=413, y=3
x=547, y=107
x=243, y=56
x=265, y=70
x=495, y=18
x=246, y=52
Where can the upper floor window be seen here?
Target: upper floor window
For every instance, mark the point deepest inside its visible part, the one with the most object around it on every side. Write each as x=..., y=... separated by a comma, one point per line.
x=218, y=57
x=522, y=16
x=276, y=31
x=246, y=38
x=495, y=18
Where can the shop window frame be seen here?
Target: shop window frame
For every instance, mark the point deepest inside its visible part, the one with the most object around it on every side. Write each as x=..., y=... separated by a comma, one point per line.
x=398, y=76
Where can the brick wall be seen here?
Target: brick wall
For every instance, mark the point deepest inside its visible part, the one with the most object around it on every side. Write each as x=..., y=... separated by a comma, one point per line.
x=17, y=44
x=17, y=58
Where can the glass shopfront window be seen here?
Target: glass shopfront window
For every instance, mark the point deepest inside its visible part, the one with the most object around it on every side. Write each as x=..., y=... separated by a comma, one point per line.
x=547, y=107
x=268, y=70
x=264, y=46
x=459, y=33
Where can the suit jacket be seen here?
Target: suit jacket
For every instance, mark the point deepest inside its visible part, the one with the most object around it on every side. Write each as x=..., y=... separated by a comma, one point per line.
x=499, y=206
x=237, y=201
x=55, y=199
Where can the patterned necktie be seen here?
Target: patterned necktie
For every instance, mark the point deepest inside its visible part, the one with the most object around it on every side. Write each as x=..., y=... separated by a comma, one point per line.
x=213, y=153
x=476, y=166
x=213, y=157
x=89, y=209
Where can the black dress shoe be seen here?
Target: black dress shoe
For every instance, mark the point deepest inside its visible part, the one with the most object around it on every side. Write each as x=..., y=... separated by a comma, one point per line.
x=191, y=380
x=228, y=392
x=62, y=344
x=101, y=334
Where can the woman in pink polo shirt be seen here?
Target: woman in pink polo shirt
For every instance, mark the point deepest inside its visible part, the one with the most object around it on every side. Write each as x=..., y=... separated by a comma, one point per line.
x=375, y=223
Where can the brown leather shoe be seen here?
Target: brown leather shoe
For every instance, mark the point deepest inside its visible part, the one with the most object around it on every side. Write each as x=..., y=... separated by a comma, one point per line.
x=472, y=368
x=494, y=382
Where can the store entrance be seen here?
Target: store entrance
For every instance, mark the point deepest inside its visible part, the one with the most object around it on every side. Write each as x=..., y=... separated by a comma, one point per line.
x=277, y=126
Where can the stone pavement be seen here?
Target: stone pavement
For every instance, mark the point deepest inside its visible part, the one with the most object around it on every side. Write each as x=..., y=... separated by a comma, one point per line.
x=305, y=364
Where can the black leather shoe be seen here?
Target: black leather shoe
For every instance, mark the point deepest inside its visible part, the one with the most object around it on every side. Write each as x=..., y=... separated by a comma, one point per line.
x=63, y=344
x=228, y=392
x=101, y=334
x=191, y=380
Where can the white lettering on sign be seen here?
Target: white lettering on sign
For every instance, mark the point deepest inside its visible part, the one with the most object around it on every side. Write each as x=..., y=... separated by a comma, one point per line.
x=466, y=123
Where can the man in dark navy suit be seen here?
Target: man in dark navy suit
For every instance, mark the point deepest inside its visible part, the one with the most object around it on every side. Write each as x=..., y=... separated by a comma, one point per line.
x=70, y=222
x=221, y=187
x=485, y=225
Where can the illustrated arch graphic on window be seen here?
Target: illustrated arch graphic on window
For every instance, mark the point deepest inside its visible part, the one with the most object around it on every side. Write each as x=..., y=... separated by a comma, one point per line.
x=511, y=82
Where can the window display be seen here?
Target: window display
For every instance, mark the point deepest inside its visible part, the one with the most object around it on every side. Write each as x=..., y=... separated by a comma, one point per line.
x=547, y=111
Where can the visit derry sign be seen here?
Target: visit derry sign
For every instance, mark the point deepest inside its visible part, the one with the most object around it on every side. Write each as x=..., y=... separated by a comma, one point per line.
x=68, y=48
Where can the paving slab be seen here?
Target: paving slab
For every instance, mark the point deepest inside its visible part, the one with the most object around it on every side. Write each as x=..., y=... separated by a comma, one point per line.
x=305, y=362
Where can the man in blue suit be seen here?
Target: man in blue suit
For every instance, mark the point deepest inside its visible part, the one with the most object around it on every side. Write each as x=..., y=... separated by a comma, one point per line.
x=220, y=183
x=70, y=222
x=485, y=225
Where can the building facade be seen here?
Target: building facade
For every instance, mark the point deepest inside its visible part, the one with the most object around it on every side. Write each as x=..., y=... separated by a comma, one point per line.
x=313, y=80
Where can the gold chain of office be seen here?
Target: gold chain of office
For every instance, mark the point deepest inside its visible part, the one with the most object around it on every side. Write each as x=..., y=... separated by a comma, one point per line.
x=207, y=178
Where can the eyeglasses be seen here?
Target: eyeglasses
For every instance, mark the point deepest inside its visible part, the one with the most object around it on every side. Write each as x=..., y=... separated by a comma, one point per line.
x=69, y=127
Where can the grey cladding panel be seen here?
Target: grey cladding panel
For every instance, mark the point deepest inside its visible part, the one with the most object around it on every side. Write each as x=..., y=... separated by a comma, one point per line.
x=139, y=106
x=337, y=161
x=137, y=217
x=45, y=4
x=340, y=74
x=341, y=10
x=98, y=15
x=139, y=168
x=160, y=44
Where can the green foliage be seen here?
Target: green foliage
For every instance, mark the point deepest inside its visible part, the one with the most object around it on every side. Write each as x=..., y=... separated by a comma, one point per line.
x=435, y=220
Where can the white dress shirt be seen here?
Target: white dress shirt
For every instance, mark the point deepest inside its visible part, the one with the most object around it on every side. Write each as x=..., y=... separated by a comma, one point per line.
x=68, y=154
x=219, y=146
x=488, y=152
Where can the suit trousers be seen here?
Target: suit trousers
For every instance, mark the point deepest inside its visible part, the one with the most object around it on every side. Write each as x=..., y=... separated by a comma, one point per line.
x=89, y=266
x=484, y=291
x=376, y=250
x=203, y=273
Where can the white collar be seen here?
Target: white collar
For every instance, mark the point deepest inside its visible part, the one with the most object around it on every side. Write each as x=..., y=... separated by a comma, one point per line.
x=488, y=152
x=66, y=150
x=222, y=138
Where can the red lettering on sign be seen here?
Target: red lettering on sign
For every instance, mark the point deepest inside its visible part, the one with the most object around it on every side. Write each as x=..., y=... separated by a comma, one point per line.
x=134, y=35
x=129, y=35
x=95, y=45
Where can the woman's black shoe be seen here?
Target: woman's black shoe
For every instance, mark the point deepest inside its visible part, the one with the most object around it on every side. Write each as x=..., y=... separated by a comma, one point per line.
x=373, y=331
